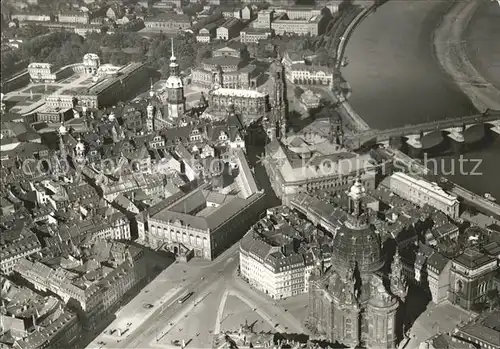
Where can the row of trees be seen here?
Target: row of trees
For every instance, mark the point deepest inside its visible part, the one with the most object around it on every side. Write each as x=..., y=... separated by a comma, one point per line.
x=63, y=48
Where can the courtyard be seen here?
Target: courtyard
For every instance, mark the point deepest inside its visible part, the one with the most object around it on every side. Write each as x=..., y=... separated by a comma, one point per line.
x=41, y=89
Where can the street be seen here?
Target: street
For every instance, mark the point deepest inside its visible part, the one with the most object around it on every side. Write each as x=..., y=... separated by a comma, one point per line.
x=221, y=301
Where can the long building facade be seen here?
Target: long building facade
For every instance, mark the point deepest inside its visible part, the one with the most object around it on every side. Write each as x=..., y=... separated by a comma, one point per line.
x=422, y=192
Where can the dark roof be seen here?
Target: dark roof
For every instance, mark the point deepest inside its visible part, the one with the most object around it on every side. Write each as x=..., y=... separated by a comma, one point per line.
x=437, y=261
x=472, y=258
x=485, y=329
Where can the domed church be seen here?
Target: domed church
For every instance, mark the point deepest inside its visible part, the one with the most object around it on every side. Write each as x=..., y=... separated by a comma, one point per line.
x=354, y=302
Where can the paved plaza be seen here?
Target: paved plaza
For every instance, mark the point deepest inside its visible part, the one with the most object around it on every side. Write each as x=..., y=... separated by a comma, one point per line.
x=196, y=322
x=237, y=313
x=160, y=292
x=436, y=319
x=221, y=301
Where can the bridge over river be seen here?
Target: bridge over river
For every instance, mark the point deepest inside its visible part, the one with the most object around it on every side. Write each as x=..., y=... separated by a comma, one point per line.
x=454, y=127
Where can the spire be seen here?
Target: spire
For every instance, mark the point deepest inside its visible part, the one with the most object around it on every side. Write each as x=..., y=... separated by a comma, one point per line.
x=151, y=91
x=172, y=58
x=174, y=67
x=397, y=278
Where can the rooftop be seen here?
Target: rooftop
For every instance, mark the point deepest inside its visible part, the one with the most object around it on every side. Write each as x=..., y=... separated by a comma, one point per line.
x=425, y=186
x=191, y=209
x=486, y=329
x=238, y=93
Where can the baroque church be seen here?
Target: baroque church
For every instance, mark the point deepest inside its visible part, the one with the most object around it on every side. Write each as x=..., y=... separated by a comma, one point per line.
x=354, y=302
x=163, y=123
x=167, y=109
x=158, y=118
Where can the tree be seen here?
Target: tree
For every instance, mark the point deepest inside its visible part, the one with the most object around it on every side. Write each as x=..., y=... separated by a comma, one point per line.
x=202, y=53
x=192, y=9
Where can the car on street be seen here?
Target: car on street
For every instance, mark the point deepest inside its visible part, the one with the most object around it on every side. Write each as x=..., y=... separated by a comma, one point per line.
x=148, y=306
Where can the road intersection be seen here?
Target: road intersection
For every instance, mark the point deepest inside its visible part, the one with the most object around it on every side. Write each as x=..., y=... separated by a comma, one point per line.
x=201, y=315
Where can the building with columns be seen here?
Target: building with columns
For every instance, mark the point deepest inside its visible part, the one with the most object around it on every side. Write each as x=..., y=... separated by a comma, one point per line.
x=350, y=302
x=229, y=67
x=202, y=223
x=472, y=276
x=41, y=72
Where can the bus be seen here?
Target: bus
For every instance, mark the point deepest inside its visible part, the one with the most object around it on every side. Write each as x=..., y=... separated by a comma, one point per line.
x=185, y=298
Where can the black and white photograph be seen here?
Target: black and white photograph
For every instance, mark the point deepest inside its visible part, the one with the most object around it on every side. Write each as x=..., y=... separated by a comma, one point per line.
x=238, y=174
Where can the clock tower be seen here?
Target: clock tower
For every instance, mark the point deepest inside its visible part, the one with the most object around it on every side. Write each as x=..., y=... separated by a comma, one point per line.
x=176, y=102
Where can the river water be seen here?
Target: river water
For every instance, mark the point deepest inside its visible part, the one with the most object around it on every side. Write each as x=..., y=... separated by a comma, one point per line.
x=483, y=45
x=396, y=80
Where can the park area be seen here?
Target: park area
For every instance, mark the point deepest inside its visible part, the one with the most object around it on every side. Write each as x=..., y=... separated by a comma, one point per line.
x=41, y=89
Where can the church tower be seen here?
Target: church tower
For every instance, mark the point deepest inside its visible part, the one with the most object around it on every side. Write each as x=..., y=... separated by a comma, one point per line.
x=63, y=131
x=269, y=126
x=336, y=132
x=80, y=152
x=150, y=117
x=278, y=98
x=176, y=102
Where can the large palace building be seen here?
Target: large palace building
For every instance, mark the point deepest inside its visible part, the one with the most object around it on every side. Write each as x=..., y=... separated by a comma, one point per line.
x=299, y=165
x=354, y=302
x=228, y=67
x=251, y=104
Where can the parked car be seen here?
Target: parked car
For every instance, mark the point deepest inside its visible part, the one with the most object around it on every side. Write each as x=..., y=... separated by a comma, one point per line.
x=148, y=306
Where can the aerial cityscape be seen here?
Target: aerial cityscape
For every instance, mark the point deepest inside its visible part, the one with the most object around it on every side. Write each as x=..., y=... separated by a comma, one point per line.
x=236, y=174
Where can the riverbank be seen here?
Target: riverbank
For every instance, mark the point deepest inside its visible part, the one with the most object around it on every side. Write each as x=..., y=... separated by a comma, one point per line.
x=483, y=49
x=483, y=41
x=453, y=57
x=394, y=78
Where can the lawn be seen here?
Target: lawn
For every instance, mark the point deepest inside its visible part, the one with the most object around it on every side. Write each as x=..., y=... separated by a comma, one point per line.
x=44, y=89
x=73, y=91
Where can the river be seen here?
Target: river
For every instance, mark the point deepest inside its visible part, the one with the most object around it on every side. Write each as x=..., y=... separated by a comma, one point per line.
x=483, y=45
x=396, y=80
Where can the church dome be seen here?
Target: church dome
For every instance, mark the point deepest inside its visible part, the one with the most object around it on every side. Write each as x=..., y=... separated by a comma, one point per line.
x=361, y=246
